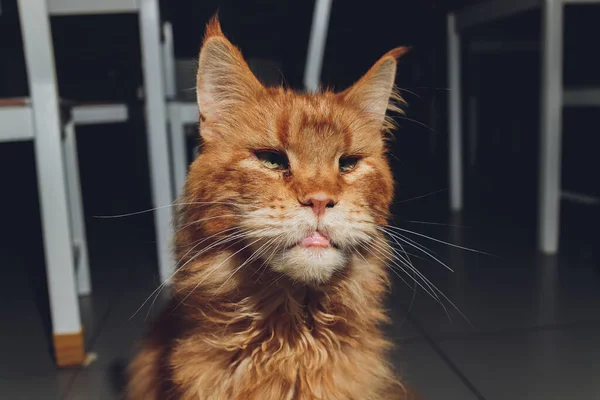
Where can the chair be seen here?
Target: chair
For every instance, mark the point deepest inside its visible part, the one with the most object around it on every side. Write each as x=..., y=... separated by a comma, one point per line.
x=38, y=119
x=158, y=146
x=553, y=98
x=17, y=119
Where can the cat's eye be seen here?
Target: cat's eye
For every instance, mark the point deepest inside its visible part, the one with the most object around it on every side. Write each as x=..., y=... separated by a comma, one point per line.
x=348, y=164
x=273, y=160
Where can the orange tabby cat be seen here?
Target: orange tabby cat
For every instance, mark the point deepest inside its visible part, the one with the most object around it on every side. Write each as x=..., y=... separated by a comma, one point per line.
x=276, y=296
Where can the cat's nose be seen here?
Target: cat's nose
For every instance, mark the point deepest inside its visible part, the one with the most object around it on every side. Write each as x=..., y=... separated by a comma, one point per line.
x=319, y=202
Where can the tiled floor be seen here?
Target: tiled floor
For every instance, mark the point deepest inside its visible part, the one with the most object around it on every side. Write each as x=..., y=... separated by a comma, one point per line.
x=533, y=334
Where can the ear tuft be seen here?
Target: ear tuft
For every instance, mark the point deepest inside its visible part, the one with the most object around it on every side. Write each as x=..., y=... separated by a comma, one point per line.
x=395, y=53
x=213, y=28
x=374, y=93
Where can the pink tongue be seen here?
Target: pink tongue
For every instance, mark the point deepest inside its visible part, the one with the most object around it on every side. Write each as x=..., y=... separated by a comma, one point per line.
x=315, y=240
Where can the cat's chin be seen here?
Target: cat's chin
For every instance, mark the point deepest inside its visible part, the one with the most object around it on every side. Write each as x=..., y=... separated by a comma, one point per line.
x=311, y=265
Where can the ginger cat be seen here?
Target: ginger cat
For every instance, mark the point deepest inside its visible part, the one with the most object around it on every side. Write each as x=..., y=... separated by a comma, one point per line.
x=276, y=296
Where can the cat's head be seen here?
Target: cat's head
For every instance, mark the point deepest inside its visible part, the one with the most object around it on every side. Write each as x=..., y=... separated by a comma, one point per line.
x=302, y=180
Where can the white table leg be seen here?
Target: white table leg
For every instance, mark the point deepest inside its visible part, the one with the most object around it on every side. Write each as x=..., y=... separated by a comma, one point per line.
x=454, y=117
x=84, y=286
x=158, y=146
x=316, y=45
x=178, y=147
x=64, y=306
x=550, y=125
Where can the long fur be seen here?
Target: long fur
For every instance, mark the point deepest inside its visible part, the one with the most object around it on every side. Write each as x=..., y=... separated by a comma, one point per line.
x=252, y=317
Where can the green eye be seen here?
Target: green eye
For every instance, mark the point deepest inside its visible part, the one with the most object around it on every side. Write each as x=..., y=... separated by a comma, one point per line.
x=347, y=164
x=273, y=160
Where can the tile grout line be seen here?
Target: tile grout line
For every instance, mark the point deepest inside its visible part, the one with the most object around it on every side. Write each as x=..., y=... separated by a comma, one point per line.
x=453, y=367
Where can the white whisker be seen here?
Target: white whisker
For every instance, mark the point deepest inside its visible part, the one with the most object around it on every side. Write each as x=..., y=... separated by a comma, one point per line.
x=214, y=269
x=385, y=263
x=435, y=223
x=438, y=240
x=418, y=123
x=176, y=269
x=175, y=205
x=431, y=288
x=415, y=286
x=180, y=228
x=248, y=260
x=416, y=245
x=419, y=197
x=268, y=259
x=429, y=283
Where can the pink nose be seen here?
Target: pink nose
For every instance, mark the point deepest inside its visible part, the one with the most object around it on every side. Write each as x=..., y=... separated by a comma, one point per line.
x=319, y=202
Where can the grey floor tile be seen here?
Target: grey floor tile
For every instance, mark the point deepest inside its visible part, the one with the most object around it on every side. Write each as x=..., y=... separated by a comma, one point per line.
x=98, y=382
x=118, y=268
x=49, y=387
x=398, y=303
x=553, y=364
x=425, y=372
x=509, y=289
x=27, y=369
x=517, y=296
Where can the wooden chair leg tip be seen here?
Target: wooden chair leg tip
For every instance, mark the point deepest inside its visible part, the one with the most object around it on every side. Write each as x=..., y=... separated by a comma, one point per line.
x=69, y=349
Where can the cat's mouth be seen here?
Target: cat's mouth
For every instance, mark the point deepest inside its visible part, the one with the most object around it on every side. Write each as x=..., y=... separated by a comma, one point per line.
x=316, y=240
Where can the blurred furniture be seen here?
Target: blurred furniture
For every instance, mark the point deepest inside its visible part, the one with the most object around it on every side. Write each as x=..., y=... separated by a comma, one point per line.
x=17, y=117
x=158, y=146
x=181, y=111
x=316, y=45
x=39, y=119
x=553, y=98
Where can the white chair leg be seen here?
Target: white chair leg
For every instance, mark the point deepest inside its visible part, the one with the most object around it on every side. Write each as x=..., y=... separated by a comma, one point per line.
x=455, y=116
x=168, y=56
x=178, y=148
x=158, y=145
x=84, y=286
x=68, y=340
x=551, y=126
x=316, y=44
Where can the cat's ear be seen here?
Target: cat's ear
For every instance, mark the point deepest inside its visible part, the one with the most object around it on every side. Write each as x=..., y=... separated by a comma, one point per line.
x=374, y=91
x=224, y=80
